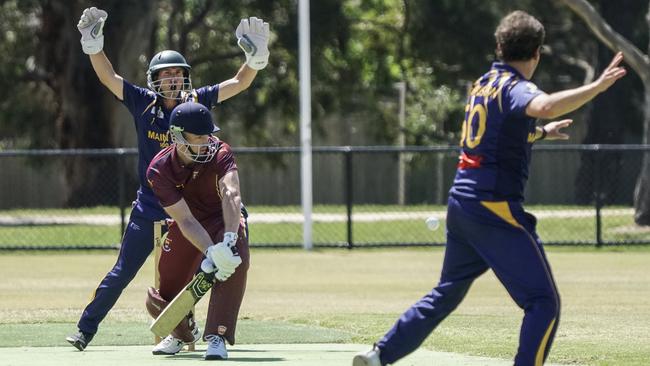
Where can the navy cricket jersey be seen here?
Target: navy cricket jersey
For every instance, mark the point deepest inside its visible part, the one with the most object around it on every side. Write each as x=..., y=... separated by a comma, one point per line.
x=497, y=137
x=152, y=124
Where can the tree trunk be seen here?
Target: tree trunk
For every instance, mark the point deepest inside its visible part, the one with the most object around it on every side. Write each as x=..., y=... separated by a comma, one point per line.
x=607, y=114
x=639, y=62
x=642, y=189
x=84, y=106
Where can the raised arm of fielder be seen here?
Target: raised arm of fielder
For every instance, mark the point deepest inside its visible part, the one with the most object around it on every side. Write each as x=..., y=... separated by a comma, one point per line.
x=253, y=38
x=549, y=106
x=91, y=25
x=252, y=34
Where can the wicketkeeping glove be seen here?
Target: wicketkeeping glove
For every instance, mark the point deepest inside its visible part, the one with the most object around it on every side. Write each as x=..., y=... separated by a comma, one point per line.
x=253, y=37
x=90, y=26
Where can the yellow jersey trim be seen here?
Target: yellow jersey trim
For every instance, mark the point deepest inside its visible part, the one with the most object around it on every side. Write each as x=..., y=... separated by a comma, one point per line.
x=502, y=210
x=539, y=357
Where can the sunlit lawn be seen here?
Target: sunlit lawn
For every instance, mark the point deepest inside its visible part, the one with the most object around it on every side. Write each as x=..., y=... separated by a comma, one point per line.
x=358, y=294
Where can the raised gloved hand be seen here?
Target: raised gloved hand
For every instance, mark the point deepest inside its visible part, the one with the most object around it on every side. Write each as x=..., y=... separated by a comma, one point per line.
x=253, y=37
x=223, y=256
x=90, y=26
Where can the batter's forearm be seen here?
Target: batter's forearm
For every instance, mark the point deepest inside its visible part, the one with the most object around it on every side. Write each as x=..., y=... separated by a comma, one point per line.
x=231, y=207
x=195, y=233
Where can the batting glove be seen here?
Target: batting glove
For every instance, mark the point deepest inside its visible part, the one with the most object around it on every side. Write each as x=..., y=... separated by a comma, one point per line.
x=90, y=26
x=225, y=259
x=222, y=274
x=208, y=266
x=230, y=239
x=253, y=37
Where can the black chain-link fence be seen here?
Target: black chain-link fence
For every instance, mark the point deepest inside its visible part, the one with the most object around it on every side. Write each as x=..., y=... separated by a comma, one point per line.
x=363, y=196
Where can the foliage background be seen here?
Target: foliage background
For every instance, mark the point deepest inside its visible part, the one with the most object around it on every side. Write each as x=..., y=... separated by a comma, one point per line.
x=360, y=48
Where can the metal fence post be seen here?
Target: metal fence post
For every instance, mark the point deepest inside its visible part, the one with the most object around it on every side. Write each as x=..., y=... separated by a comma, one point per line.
x=348, y=193
x=121, y=172
x=598, y=197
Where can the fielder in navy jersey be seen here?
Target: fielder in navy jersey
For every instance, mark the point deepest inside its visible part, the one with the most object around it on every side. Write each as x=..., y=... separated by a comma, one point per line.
x=169, y=84
x=487, y=227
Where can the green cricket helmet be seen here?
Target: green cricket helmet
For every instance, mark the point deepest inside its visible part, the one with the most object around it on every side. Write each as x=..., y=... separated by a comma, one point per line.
x=165, y=59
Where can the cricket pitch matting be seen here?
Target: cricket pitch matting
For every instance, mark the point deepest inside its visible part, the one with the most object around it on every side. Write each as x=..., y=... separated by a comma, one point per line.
x=317, y=354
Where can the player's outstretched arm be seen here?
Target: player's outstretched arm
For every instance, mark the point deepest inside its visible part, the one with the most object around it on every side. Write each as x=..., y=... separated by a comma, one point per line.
x=553, y=130
x=560, y=103
x=91, y=25
x=253, y=38
x=107, y=76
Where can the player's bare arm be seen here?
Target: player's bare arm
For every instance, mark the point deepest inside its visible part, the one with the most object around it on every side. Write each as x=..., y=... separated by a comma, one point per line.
x=553, y=130
x=253, y=38
x=91, y=25
x=240, y=82
x=230, y=200
x=190, y=227
x=549, y=106
x=107, y=75
x=224, y=254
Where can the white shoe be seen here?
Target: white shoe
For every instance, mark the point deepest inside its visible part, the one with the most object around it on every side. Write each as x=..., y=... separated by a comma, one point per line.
x=367, y=358
x=216, y=348
x=172, y=345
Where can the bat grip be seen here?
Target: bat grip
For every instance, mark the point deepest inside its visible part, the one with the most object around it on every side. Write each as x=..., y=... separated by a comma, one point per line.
x=234, y=250
x=209, y=276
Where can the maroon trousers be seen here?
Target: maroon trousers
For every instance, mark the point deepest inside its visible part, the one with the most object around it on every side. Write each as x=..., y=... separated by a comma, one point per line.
x=179, y=262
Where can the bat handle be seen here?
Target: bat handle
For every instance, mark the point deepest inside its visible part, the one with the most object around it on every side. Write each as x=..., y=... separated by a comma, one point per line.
x=234, y=250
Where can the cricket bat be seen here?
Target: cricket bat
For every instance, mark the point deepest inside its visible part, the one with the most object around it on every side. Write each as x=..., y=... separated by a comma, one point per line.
x=182, y=304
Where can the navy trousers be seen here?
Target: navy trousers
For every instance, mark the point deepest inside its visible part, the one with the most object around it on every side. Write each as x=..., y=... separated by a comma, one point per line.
x=480, y=236
x=137, y=244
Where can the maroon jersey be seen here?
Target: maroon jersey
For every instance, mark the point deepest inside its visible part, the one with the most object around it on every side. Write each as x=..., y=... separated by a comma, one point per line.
x=197, y=183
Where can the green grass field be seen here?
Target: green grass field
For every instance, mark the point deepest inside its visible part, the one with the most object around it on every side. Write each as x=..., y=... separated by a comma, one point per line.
x=347, y=297
x=575, y=224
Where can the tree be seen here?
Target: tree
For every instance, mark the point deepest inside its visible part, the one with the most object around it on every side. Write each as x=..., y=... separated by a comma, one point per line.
x=57, y=78
x=640, y=63
x=51, y=98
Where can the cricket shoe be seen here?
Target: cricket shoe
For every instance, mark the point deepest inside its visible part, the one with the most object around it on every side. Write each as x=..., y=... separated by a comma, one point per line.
x=216, y=348
x=367, y=358
x=172, y=345
x=80, y=339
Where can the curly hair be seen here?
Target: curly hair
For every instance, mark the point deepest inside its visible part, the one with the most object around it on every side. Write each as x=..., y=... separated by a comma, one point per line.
x=518, y=36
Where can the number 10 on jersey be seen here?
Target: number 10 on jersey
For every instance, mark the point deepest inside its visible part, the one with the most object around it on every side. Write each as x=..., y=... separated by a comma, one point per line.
x=474, y=123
